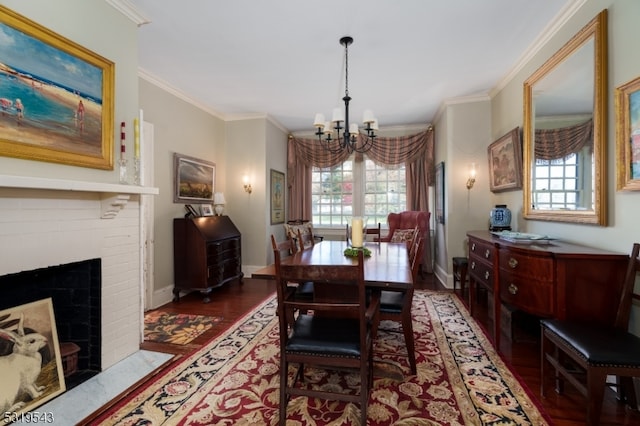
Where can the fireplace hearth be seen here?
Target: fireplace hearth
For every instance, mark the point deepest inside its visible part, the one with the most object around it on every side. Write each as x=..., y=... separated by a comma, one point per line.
x=75, y=289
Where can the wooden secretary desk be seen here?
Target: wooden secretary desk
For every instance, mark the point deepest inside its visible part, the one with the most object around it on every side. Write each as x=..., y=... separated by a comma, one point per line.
x=207, y=254
x=553, y=279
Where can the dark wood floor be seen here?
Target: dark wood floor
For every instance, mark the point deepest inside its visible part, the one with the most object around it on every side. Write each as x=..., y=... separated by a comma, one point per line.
x=522, y=353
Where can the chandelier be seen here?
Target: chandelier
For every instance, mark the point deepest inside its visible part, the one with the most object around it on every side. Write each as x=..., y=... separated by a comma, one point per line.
x=338, y=135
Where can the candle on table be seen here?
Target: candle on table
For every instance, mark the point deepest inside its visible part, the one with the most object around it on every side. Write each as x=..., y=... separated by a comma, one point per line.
x=356, y=232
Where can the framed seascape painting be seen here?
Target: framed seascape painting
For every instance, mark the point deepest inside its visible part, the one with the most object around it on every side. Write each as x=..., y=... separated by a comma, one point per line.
x=627, y=105
x=277, y=197
x=505, y=162
x=440, y=192
x=30, y=360
x=56, y=97
x=194, y=180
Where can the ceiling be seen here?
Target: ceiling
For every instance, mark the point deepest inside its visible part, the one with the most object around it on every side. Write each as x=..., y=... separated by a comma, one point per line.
x=282, y=58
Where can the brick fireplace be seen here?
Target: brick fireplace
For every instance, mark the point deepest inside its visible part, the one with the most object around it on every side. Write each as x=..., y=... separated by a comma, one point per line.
x=45, y=224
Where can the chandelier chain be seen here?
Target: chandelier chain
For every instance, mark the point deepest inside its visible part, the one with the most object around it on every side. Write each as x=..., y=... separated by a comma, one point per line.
x=346, y=69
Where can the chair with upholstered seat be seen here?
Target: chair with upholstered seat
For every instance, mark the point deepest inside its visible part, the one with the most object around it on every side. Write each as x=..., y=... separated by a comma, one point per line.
x=402, y=224
x=289, y=247
x=585, y=354
x=336, y=335
x=396, y=305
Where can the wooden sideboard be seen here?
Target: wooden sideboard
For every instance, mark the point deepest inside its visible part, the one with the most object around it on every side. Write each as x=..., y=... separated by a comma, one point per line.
x=552, y=279
x=207, y=254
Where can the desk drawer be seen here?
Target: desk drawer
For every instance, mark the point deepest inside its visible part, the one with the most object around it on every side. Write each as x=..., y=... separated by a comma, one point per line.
x=533, y=296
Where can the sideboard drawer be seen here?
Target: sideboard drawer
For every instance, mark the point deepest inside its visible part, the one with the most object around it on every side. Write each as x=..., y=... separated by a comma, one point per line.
x=481, y=249
x=481, y=271
x=533, y=296
x=533, y=267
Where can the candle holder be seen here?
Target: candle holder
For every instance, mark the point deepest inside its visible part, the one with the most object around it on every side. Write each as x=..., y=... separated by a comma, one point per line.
x=136, y=171
x=122, y=165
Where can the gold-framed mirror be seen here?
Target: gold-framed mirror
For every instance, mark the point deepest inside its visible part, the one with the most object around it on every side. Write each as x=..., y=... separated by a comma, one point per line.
x=565, y=131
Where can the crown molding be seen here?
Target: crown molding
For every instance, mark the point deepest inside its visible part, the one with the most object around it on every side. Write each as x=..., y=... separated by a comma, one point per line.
x=129, y=10
x=157, y=81
x=547, y=34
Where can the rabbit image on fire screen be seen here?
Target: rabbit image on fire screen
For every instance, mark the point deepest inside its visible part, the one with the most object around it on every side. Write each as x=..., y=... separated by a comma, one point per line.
x=20, y=368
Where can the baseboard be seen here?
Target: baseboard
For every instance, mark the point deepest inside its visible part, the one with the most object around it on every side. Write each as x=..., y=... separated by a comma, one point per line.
x=162, y=296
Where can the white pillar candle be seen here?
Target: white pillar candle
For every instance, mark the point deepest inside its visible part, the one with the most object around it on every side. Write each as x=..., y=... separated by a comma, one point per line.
x=356, y=232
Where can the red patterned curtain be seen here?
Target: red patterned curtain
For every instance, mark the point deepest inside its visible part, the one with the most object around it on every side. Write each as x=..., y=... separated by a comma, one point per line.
x=415, y=151
x=559, y=143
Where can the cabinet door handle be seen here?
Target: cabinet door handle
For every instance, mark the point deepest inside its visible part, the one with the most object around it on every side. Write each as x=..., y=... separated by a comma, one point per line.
x=473, y=247
x=473, y=265
x=513, y=289
x=486, y=275
x=487, y=253
x=513, y=263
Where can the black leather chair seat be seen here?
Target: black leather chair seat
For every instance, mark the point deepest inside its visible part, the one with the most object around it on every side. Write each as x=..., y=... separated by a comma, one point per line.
x=391, y=301
x=330, y=336
x=598, y=345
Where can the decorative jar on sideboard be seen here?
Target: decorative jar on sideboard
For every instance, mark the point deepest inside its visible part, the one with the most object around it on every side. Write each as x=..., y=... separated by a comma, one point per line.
x=500, y=218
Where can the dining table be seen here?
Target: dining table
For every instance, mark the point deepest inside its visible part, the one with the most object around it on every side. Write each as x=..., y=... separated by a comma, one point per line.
x=387, y=268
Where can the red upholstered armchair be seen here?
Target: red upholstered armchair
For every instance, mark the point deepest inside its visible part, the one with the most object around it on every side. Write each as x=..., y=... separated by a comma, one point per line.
x=402, y=224
x=407, y=220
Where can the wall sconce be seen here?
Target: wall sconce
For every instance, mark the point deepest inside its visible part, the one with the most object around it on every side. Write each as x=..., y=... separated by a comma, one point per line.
x=247, y=185
x=472, y=176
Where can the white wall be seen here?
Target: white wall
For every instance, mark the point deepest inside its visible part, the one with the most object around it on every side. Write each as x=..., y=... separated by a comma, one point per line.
x=179, y=127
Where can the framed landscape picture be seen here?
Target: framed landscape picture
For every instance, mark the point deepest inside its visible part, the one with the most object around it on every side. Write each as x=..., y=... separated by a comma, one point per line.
x=37, y=375
x=194, y=180
x=440, y=192
x=56, y=102
x=627, y=105
x=277, y=197
x=505, y=162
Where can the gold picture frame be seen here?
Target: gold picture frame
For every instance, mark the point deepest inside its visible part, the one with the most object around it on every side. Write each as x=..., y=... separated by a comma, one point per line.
x=627, y=106
x=505, y=162
x=36, y=375
x=277, y=197
x=57, y=99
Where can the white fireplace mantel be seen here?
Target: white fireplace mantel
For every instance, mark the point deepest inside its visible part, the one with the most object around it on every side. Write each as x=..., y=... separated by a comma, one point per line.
x=114, y=196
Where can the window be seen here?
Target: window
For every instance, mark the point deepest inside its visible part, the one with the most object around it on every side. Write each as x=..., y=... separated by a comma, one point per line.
x=557, y=184
x=357, y=189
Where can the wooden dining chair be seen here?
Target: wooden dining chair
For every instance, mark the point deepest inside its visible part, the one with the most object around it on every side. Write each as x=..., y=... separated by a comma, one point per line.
x=375, y=231
x=396, y=305
x=288, y=247
x=305, y=240
x=336, y=335
x=585, y=354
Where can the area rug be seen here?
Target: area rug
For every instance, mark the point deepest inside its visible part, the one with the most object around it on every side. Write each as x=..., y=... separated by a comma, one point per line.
x=179, y=329
x=233, y=380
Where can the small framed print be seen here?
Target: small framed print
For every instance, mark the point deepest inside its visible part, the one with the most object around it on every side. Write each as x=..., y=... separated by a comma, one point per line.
x=207, y=210
x=440, y=192
x=194, y=179
x=505, y=162
x=277, y=197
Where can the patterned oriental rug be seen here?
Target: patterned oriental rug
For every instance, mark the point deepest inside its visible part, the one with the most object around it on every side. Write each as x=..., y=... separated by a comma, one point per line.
x=179, y=329
x=233, y=380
